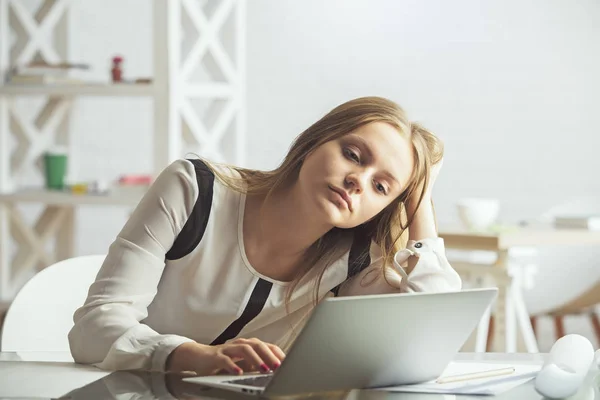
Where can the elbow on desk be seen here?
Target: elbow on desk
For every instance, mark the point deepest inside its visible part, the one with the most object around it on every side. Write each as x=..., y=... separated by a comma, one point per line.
x=77, y=347
x=85, y=346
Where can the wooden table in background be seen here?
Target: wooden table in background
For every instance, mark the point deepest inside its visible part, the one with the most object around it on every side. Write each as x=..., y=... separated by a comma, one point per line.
x=509, y=307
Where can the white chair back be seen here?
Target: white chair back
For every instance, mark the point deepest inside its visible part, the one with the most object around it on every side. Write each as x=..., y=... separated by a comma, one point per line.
x=41, y=315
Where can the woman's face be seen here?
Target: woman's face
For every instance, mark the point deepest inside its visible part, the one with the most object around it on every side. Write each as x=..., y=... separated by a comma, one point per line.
x=351, y=179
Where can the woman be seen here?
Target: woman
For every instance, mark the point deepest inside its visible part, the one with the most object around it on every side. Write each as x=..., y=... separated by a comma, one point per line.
x=218, y=267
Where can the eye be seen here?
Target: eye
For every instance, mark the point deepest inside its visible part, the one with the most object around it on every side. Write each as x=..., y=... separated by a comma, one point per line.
x=380, y=188
x=352, y=155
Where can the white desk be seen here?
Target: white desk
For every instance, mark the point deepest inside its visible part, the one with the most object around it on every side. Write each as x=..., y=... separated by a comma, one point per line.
x=47, y=375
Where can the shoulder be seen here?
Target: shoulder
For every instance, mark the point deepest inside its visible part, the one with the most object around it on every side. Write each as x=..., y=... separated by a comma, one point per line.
x=178, y=169
x=184, y=181
x=196, y=173
x=175, y=185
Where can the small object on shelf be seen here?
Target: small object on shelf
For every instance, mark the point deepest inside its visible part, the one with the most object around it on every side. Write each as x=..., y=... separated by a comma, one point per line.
x=55, y=168
x=117, y=71
x=132, y=179
x=45, y=67
x=42, y=80
x=79, y=188
x=41, y=73
x=98, y=187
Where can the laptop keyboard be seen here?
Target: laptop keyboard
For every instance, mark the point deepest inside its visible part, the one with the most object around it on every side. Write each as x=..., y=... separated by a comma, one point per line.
x=256, y=381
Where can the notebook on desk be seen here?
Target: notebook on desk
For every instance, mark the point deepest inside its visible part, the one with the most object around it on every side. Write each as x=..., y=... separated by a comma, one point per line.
x=491, y=385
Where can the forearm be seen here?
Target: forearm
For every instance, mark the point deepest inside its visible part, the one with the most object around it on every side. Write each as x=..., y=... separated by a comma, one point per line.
x=423, y=224
x=107, y=328
x=422, y=227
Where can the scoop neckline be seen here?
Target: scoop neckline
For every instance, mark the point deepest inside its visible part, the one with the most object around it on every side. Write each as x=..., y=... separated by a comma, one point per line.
x=242, y=247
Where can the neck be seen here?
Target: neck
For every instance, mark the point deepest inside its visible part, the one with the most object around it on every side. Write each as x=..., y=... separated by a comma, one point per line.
x=285, y=227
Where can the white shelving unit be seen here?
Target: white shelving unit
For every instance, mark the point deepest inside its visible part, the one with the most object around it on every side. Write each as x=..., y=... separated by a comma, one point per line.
x=177, y=124
x=78, y=90
x=122, y=196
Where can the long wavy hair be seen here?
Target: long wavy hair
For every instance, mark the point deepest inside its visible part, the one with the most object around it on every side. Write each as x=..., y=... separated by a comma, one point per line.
x=389, y=228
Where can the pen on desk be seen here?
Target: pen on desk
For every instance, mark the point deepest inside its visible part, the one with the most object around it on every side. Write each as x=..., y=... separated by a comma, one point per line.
x=476, y=375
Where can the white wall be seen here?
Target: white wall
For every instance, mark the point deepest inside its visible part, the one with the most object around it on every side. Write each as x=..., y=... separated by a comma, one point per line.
x=510, y=85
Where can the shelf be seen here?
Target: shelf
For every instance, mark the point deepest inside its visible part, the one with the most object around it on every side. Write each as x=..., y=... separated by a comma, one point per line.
x=123, y=196
x=76, y=89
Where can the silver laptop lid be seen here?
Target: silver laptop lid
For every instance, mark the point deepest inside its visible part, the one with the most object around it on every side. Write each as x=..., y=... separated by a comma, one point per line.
x=380, y=340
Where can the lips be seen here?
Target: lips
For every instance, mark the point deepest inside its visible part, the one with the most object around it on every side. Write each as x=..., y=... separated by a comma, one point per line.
x=343, y=195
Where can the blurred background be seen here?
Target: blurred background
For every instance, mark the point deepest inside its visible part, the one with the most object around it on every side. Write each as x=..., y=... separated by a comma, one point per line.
x=512, y=88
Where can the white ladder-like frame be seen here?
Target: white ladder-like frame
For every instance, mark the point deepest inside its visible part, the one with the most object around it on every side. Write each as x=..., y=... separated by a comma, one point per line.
x=178, y=127
x=175, y=76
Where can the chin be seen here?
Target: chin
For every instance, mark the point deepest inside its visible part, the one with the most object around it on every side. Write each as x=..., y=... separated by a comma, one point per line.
x=344, y=225
x=338, y=219
x=330, y=213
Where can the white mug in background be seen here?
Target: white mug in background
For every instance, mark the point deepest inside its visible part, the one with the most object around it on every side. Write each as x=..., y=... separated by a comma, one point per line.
x=478, y=214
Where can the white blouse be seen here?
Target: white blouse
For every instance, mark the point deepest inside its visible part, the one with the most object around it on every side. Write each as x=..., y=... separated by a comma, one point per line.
x=143, y=305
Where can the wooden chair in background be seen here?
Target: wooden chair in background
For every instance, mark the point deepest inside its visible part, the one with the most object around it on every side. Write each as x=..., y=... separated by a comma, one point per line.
x=583, y=305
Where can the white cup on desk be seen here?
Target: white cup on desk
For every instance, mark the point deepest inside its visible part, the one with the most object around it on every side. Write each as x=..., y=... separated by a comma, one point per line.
x=478, y=214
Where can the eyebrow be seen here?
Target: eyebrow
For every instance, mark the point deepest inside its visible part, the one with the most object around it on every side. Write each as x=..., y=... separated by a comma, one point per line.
x=370, y=154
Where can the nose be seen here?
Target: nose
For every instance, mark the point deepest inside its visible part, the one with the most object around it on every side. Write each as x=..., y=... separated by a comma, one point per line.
x=355, y=183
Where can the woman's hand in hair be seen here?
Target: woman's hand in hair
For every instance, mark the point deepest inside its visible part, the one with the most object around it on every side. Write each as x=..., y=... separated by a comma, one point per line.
x=433, y=174
x=411, y=206
x=423, y=223
x=234, y=357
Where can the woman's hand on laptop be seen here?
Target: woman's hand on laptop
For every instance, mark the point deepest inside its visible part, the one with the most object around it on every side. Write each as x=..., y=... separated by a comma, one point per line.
x=234, y=357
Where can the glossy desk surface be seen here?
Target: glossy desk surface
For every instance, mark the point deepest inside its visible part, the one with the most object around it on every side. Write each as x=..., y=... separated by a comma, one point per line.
x=54, y=375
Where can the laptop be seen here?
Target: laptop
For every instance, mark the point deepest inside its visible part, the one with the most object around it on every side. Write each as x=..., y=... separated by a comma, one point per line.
x=359, y=342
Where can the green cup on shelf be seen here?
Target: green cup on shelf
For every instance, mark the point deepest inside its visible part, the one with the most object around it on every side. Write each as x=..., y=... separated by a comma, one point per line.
x=55, y=167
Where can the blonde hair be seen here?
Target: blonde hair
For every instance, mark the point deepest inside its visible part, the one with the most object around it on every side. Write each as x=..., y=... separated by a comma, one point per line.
x=388, y=229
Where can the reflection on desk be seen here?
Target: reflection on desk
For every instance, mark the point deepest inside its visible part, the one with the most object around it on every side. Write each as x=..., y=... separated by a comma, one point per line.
x=158, y=386
x=46, y=375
